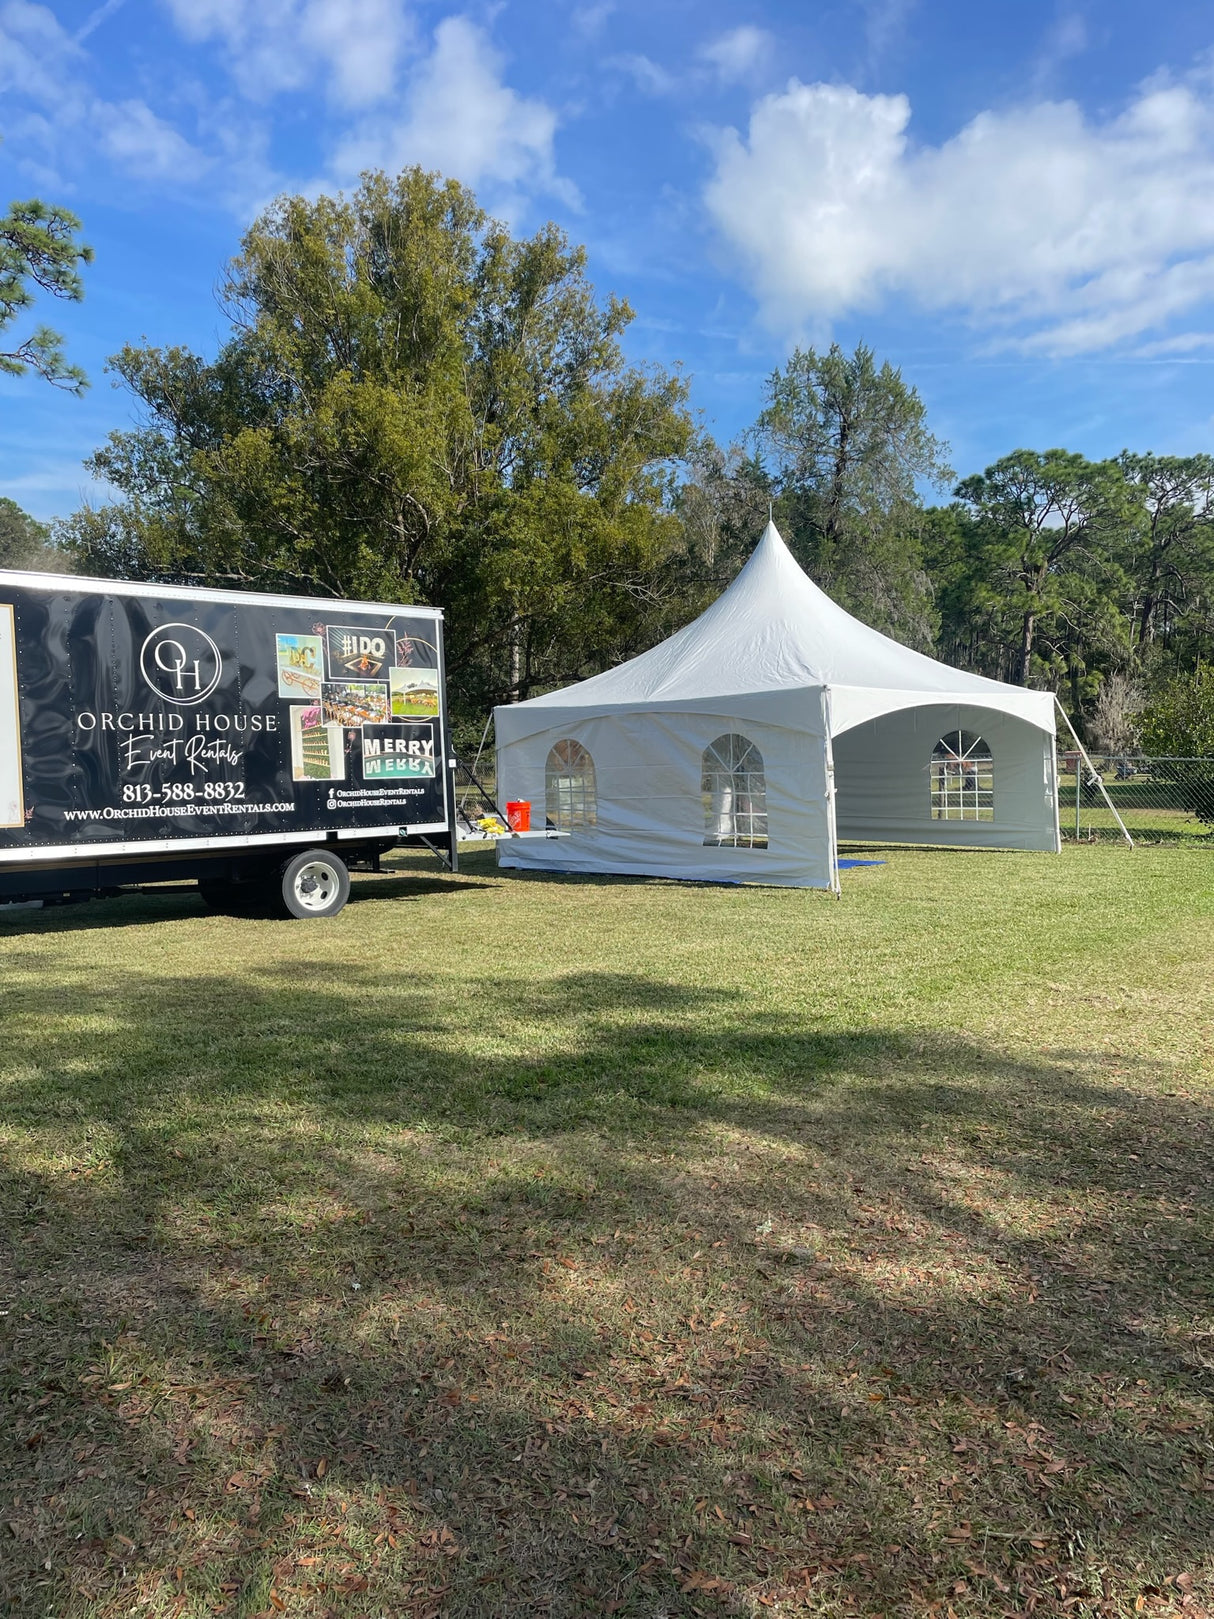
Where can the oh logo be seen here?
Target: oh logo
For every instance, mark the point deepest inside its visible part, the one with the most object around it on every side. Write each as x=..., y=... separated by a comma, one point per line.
x=181, y=663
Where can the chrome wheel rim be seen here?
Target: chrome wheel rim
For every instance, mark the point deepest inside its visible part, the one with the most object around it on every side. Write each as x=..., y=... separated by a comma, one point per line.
x=315, y=885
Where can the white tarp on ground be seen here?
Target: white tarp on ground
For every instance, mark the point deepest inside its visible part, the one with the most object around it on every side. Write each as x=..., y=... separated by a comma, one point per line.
x=830, y=705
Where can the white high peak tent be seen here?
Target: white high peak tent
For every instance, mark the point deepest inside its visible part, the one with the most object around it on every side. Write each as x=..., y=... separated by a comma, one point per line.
x=746, y=746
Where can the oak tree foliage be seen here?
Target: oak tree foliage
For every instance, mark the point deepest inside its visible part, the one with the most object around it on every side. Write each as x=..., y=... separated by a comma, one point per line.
x=412, y=404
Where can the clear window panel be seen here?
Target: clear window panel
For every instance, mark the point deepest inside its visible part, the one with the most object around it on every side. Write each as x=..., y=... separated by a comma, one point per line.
x=571, y=797
x=962, y=774
x=734, y=789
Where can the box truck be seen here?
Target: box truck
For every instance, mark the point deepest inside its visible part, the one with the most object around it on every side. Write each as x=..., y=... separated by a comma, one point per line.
x=255, y=744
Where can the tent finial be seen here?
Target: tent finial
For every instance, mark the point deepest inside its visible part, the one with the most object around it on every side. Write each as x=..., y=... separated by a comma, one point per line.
x=770, y=517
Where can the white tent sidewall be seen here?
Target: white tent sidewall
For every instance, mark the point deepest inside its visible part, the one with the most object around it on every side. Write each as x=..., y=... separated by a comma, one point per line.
x=652, y=815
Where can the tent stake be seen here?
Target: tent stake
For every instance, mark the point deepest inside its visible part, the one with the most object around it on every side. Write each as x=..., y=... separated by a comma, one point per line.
x=1099, y=778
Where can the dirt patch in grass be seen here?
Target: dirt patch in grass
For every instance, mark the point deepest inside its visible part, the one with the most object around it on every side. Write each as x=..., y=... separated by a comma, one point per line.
x=558, y=1248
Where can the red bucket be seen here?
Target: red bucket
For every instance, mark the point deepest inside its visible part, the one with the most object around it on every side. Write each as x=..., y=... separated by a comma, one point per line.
x=518, y=813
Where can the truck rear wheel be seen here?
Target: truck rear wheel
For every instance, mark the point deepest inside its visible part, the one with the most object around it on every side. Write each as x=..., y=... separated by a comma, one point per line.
x=315, y=883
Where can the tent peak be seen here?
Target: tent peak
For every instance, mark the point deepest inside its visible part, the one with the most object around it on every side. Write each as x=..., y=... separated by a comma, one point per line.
x=771, y=566
x=774, y=629
x=770, y=547
x=771, y=536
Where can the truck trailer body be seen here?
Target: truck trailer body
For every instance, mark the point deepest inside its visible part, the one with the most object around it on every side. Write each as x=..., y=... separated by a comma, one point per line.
x=154, y=733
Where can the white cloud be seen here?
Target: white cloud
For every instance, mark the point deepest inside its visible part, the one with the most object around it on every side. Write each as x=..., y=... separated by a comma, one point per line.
x=453, y=111
x=731, y=58
x=648, y=75
x=462, y=119
x=645, y=73
x=1069, y=35
x=279, y=45
x=885, y=24
x=95, y=18
x=1068, y=233
x=363, y=41
x=37, y=58
x=588, y=20
x=1177, y=347
x=144, y=145
x=43, y=68
x=739, y=54
x=449, y=109
x=1066, y=38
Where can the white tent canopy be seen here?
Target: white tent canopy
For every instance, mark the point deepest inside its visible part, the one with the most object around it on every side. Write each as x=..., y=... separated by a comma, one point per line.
x=745, y=746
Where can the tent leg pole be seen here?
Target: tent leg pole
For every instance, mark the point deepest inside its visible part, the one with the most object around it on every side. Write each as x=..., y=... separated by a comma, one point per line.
x=1099, y=779
x=832, y=824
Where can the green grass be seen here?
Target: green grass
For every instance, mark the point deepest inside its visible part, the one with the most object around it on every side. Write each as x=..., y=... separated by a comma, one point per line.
x=514, y=1246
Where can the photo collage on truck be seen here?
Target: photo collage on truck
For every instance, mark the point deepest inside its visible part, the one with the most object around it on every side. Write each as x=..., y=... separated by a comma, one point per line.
x=379, y=687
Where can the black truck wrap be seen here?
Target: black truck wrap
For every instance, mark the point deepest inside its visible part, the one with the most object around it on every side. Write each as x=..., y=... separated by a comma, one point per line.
x=159, y=723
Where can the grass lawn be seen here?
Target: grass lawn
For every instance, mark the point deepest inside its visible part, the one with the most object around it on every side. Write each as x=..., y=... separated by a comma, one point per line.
x=515, y=1246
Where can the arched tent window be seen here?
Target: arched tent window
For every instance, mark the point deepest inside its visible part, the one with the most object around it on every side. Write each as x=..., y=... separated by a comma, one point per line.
x=963, y=778
x=735, y=794
x=570, y=798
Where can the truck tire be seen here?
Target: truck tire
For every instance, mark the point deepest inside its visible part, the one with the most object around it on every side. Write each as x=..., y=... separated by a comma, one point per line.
x=314, y=883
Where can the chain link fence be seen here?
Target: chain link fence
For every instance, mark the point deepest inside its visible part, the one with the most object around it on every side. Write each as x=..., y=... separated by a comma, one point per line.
x=1160, y=800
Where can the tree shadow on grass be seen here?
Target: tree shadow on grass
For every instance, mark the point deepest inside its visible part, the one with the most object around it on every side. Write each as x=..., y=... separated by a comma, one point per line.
x=181, y=901
x=657, y=1301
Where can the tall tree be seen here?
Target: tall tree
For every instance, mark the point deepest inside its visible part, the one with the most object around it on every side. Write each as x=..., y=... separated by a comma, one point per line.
x=848, y=442
x=723, y=503
x=412, y=404
x=39, y=248
x=1048, y=523
x=979, y=627
x=1172, y=556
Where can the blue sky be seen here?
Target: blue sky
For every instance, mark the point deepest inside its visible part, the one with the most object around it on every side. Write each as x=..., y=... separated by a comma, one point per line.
x=1013, y=201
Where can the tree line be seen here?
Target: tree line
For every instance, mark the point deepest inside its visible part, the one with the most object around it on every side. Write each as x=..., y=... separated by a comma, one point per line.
x=413, y=404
